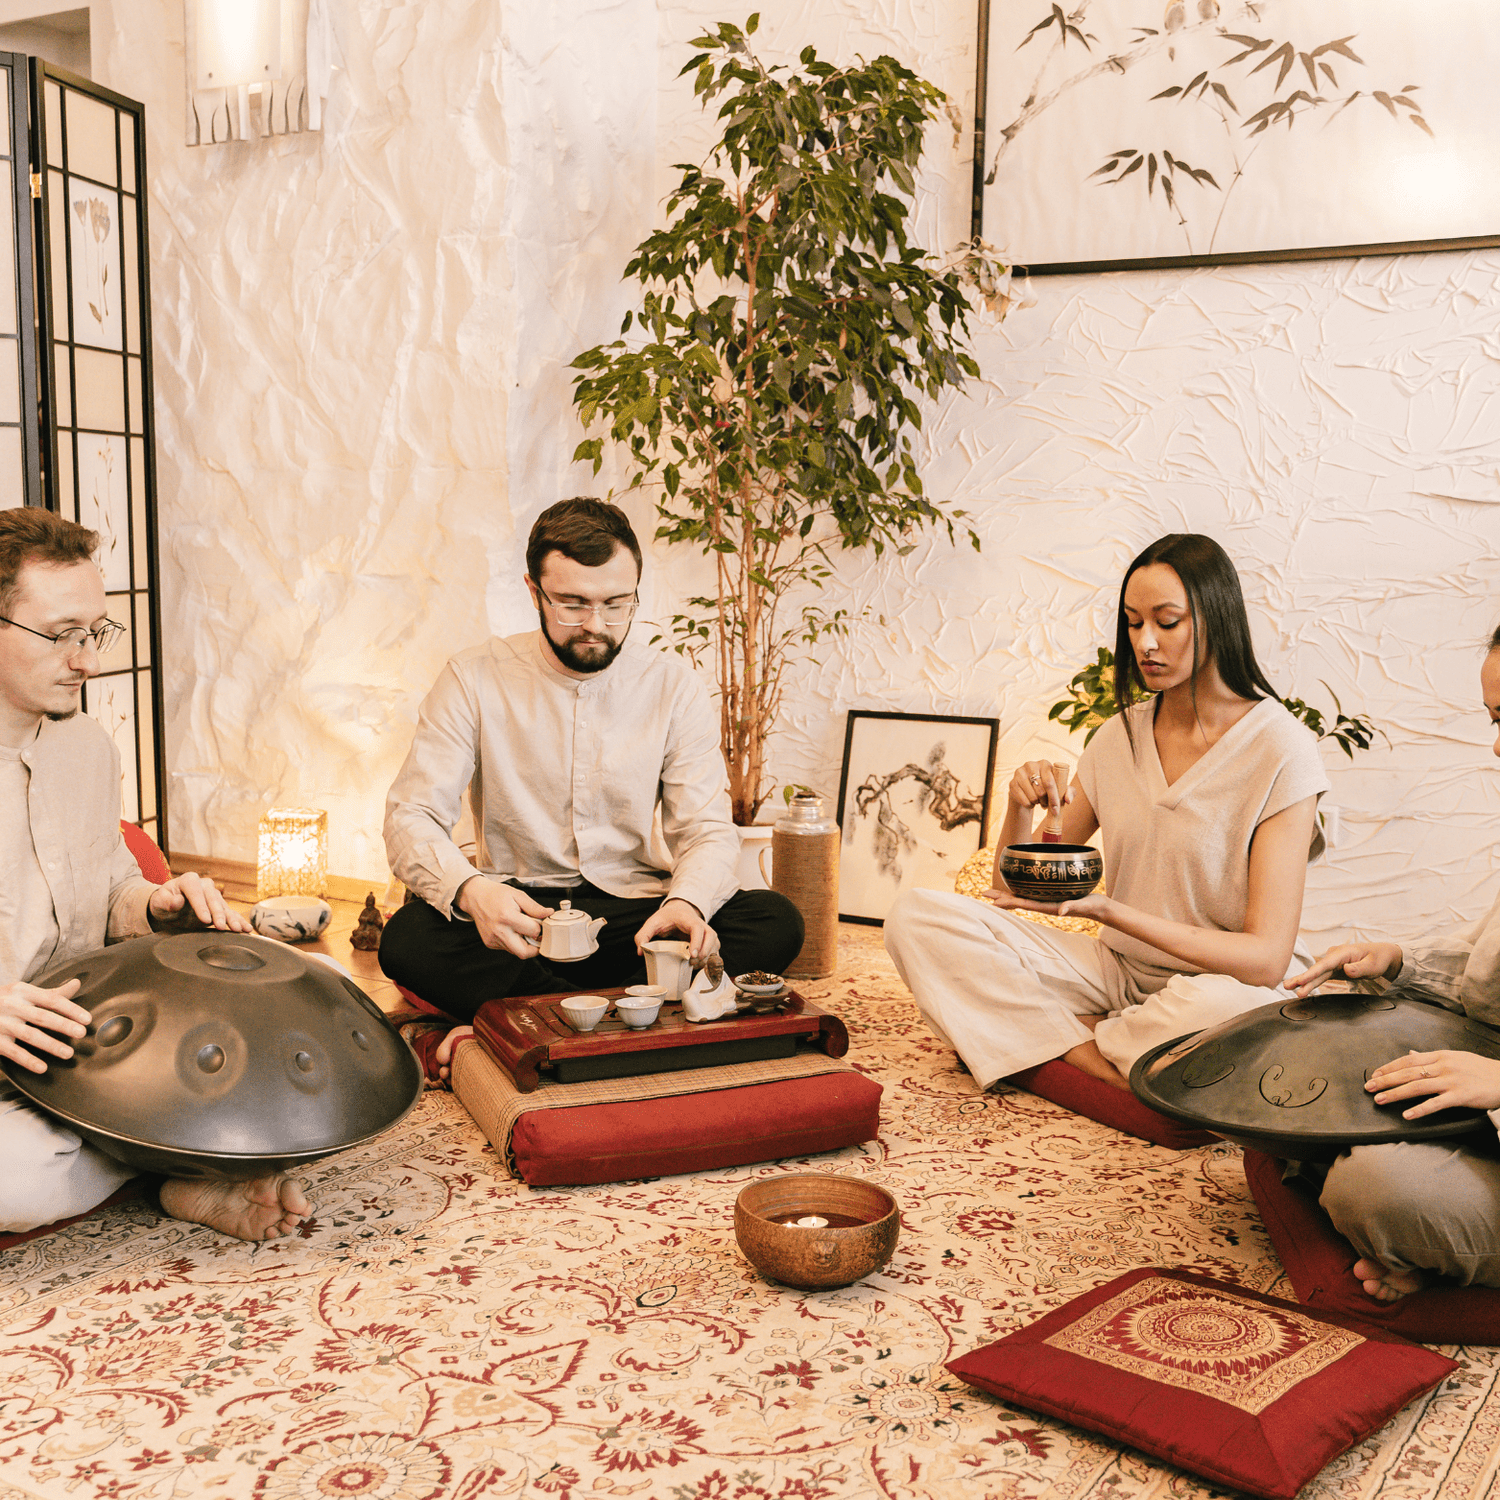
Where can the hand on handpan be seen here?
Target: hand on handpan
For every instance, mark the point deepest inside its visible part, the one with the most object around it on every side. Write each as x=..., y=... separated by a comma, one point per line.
x=677, y=915
x=505, y=917
x=24, y=1009
x=190, y=902
x=1349, y=961
x=1034, y=785
x=1454, y=1079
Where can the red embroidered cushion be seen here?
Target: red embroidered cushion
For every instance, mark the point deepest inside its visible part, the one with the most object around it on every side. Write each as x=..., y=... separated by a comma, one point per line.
x=1246, y=1390
x=1319, y=1263
x=1094, y=1099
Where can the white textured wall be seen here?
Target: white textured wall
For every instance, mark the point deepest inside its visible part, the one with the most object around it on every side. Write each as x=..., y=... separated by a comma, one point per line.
x=361, y=341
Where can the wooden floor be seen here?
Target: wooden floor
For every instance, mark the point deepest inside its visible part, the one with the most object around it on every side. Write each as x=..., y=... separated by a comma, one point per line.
x=335, y=943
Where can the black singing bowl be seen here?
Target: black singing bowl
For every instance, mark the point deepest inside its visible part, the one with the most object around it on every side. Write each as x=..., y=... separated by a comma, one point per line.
x=1051, y=872
x=1288, y=1078
x=214, y=1054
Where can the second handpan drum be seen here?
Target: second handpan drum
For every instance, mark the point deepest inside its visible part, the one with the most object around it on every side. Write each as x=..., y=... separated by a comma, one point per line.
x=1289, y=1078
x=213, y=1054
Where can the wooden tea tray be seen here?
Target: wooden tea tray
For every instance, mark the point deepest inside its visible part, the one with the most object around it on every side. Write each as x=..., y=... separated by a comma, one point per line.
x=529, y=1036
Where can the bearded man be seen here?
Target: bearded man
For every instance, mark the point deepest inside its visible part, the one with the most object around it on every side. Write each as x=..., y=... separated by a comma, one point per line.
x=593, y=769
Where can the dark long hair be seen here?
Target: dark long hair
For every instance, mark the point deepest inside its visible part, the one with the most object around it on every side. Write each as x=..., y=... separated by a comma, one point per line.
x=1221, y=628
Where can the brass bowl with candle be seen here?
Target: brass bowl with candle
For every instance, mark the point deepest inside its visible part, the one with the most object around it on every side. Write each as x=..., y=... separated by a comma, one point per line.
x=1051, y=872
x=815, y=1230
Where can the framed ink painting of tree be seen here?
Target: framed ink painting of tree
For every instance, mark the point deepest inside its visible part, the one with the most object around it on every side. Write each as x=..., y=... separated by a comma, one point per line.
x=1132, y=135
x=914, y=804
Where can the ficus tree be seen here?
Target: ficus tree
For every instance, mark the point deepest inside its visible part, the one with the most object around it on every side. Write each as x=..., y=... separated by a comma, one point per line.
x=769, y=380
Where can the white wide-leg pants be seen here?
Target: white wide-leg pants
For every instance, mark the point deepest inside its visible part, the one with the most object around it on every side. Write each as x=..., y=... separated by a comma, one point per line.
x=1006, y=994
x=49, y=1172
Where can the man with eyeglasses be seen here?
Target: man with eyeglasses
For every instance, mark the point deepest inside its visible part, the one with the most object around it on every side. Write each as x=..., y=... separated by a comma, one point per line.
x=593, y=767
x=70, y=884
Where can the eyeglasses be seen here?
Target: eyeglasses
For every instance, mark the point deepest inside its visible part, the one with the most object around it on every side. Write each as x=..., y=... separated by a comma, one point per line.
x=614, y=613
x=68, y=641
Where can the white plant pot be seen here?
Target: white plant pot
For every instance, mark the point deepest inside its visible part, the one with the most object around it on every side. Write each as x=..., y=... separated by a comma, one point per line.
x=752, y=869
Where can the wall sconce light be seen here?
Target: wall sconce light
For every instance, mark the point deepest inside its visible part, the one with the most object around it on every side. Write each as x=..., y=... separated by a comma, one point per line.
x=239, y=42
x=292, y=858
x=256, y=68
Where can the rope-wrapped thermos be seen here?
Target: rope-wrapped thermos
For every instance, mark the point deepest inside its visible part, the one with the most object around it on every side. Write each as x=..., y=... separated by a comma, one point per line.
x=805, y=869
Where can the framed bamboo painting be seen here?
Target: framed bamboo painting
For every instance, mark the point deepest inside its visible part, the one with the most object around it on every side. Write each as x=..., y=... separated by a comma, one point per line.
x=1125, y=135
x=914, y=802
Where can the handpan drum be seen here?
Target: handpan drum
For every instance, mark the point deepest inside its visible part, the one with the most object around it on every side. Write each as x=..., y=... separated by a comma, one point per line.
x=1289, y=1078
x=213, y=1054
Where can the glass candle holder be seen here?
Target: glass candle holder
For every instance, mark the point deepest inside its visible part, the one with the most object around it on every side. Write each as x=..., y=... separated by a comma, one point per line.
x=292, y=857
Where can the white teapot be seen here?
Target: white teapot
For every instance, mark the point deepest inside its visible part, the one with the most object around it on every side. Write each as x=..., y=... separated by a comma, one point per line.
x=569, y=935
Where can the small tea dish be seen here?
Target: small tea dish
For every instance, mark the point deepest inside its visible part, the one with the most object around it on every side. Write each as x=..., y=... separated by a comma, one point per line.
x=584, y=1012
x=759, y=985
x=638, y=1012
x=1051, y=872
x=291, y=919
x=645, y=994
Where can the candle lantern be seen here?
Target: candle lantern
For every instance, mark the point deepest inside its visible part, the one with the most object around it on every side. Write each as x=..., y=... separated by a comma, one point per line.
x=292, y=859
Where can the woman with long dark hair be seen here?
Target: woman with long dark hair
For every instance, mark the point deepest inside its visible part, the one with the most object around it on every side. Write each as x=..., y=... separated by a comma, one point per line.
x=1414, y=1208
x=1205, y=795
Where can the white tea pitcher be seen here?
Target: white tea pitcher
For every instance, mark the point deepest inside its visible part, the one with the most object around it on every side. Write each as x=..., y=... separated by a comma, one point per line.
x=668, y=965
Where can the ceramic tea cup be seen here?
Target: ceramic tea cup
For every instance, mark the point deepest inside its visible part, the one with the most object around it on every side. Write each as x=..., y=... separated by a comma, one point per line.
x=1051, y=872
x=637, y=1011
x=584, y=1012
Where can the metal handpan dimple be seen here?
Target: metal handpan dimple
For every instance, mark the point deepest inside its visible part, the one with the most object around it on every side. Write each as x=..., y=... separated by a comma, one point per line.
x=1289, y=1077
x=213, y=1054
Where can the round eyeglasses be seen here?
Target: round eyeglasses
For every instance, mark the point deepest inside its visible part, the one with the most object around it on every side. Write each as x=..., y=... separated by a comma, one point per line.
x=68, y=641
x=615, y=612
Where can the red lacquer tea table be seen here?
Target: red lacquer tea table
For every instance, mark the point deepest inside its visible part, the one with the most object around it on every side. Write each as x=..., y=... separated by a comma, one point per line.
x=529, y=1037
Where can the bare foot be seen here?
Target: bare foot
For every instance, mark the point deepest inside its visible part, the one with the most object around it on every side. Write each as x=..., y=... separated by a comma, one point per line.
x=1384, y=1283
x=444, y=1053
x=264, y=1209
x=1087, y=1058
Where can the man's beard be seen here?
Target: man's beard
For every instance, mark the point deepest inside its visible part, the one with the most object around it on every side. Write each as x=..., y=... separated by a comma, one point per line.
x=602, y=654
x=72, y=713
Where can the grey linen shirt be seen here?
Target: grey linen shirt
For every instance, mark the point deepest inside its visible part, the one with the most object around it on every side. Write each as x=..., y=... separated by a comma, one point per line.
x=1462, y=968
x=617, y=779
x=96, y=888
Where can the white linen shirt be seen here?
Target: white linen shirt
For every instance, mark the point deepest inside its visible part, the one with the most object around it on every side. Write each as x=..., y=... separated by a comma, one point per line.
x=617, y=779
x=97, y=892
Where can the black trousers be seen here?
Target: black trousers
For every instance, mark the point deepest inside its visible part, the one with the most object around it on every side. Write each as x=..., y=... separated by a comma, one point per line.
x=447, y=964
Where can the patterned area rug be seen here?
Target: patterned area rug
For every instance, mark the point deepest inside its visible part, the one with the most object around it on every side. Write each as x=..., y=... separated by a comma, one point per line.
x=440, y=1332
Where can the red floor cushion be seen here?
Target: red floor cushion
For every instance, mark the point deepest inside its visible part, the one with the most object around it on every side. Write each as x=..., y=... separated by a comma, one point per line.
x=1246, y=1390
x=152, y=861
x=696, y=1132
x=1072, y=1088
x=1319, y=1262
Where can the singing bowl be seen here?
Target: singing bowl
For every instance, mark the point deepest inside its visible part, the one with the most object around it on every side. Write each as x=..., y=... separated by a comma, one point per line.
x=1288, y=1078
x=214, y=1054
x=816, y=1259
x=1051, y=872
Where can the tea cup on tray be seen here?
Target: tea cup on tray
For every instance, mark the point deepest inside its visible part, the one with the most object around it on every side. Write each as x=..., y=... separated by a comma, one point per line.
x=638, y=1011
x=584, y=1012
